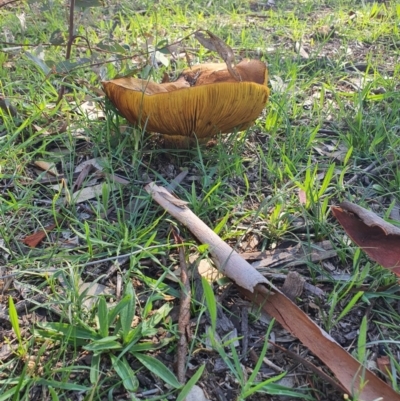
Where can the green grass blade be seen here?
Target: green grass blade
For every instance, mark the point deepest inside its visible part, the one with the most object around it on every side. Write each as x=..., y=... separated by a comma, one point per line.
x=362, y=340
x=12, y=312
x=102, y=315
x=210, y=301
x=262, y=354
x=127, y=314
x=188, y=386
x=350, y=305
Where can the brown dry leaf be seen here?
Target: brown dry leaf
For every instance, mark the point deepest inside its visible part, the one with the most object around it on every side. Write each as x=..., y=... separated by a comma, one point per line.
x=293, y=285
x=90, y=109
x=356, y=379
x=35, y=239
x=95, y=162
x=351, y=374
x=302, y=197
x=379, y=239
x=292, y=256
x=81, y=177
x=383, y=364
x=92, y=291
x=214, y=43
x=46, y=166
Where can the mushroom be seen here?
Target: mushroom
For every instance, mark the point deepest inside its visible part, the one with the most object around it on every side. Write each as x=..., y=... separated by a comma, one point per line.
x=204, y=101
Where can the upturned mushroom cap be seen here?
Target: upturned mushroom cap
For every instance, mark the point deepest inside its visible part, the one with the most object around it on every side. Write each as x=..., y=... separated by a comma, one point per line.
x=204, y=101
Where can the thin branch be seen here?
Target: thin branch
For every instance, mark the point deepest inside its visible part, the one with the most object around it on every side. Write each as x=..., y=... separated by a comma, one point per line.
x=9, y=2
x=71, y=39
x=184, y=311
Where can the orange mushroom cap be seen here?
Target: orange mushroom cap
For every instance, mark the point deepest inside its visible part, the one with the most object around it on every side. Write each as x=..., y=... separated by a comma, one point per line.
x=215, y=103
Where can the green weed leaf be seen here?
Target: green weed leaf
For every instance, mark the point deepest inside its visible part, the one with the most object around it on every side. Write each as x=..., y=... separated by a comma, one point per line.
x=188, y=386
x=62, y=385
x=127, y=314
x=159, y=369
x=350, y=305
x=277, y=389
x=95, y=369
x=113, y=313
x=103, y=345
x=125, y=372
x=69, y=331
x=40, y=63
x=102, y=315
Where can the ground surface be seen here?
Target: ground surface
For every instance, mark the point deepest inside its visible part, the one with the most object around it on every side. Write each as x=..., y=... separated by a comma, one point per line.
x=76, y=222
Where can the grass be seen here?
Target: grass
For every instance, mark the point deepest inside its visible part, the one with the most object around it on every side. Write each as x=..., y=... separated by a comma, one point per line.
x=333, y=112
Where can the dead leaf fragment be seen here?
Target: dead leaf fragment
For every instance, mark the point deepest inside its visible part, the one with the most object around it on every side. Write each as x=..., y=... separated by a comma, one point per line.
x=49, y=167
x=379, y=239
x=383, y=364
x=214, y=43
x=35, y=239
x=293, y=285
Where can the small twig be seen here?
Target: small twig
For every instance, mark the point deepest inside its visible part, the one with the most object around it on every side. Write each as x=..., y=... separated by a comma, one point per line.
x=184, y=311
x=366, y=170
x=311, y=366
x=71, y=39
x=8, y=2
x=255, y=357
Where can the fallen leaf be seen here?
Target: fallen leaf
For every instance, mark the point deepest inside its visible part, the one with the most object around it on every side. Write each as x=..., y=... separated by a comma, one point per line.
x=216, y=44
x=356, y=379
x=47, y=166
x=293, y=285
x=302, y=197
x=92, y=291
x=383, y=364
x=35, y=239
x=92, y=192
x=379, y=239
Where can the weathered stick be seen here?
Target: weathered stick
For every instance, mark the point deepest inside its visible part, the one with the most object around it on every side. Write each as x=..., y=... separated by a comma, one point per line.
x=228, y=261
x=355, y=378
